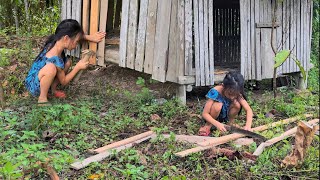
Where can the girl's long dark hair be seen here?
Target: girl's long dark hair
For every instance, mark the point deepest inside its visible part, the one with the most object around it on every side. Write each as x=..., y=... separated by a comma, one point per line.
x=69, y=27
x=234, y=82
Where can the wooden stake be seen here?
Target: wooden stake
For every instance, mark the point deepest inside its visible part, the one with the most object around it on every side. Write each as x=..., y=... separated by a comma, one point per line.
x=221, y=140
x=123, y=142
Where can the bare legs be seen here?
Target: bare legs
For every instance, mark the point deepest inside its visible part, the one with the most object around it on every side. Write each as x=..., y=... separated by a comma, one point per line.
x=46, y=76
x=56, y=80
x=233, y=111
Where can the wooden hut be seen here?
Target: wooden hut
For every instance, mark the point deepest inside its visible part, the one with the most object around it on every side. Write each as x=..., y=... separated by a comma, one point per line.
x=195, y=42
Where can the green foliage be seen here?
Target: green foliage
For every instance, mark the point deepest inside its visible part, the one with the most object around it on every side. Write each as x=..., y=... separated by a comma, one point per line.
x=5, y=56
x=281, y=57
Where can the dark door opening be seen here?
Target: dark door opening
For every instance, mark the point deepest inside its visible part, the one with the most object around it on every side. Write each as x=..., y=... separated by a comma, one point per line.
x=227, y=34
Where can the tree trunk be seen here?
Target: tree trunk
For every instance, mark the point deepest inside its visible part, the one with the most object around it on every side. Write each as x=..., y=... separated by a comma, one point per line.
x=16, y=20
x=26, y=9
x=2, y=100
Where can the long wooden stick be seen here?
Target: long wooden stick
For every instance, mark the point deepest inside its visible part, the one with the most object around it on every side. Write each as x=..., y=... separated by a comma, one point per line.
x=99, y=157
x=285, y=135
x=123, y=142
x=256, y=129
x=230, y=137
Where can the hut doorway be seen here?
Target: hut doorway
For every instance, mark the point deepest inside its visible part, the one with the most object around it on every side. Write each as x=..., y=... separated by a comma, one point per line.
x=226, y=35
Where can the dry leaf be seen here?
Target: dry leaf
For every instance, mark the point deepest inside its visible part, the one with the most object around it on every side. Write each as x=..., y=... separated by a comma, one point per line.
x=13, y=67
x=155, y=117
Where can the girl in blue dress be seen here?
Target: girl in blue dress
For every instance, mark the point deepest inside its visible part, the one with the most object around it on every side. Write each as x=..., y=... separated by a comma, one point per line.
x=224, y=104
x=50, y=67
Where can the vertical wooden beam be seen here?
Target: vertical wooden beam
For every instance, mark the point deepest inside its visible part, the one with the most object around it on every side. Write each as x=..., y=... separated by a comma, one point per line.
x=141, y=41
x=206, y=42
x=211, y=44
x=188, y=37
x=94, y=23
x=257, y=41
x=78, y=18
x=196, y=41
x=243, y=31
x=63, y=9
x=252, y=39
x=102, y=28
x=173, y=60
x=150, y=36
x=132, y=33
x=85, y=20
x=161, y=41
x=124, y=33
x=201, y=50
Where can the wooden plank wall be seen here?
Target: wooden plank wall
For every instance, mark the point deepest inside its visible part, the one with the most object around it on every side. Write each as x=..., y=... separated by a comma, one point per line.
x=203, y=43
x=72, y=9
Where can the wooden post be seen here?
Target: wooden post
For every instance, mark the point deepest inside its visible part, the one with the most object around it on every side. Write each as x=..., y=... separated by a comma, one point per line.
x=94, y=18
x=85, y=20
x=103, y=23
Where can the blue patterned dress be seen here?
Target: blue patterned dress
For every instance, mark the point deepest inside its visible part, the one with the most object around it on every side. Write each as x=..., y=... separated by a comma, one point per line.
x=216, y=96
x=32, y=81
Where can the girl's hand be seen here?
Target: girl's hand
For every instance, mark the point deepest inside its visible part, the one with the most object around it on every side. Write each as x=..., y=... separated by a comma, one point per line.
x=221, y=127
x=96, y=37
x=247, y=128
x=82, y=64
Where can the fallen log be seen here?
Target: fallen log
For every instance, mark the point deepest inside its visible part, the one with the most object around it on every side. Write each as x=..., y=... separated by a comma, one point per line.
x=123, y=142
x=230, y=137
x=101, y=156
x=285, y=135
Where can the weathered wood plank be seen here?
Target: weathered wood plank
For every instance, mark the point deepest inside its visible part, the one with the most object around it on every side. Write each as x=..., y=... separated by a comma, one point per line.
x=211, y=44
x=266, y=53
x=257, y=39
x=305, y=32
x=132, y=33
x=141, y=35
x=124, y=142
x=252, y=40
x=201, y=49
x=173, y=61
x=102, y=28
x=206, y=42
x=299, y=31
x=161, y=41
x=244, y=37
x=69, y=10
x=181, y=39
x=310, y=16
x=63, y=9
x=101, y=156
x=197, y=41
x=188, y=37
x=124, y=33
x=94, y=18
x=85, y=21
x=78, y=18
x=150, y=36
